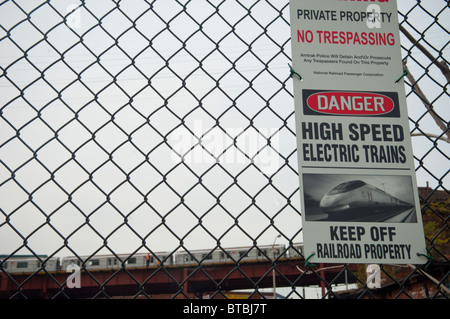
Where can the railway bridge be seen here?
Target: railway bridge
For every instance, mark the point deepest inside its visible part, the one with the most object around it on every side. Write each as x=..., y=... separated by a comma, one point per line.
x=177, y=281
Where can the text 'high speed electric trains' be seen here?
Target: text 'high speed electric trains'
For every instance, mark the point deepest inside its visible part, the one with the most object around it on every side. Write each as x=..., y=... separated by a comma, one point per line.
x=31, y=264
x=358, y=196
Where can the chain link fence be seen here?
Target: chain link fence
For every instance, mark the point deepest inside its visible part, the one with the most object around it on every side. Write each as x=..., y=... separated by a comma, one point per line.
x=136, y=127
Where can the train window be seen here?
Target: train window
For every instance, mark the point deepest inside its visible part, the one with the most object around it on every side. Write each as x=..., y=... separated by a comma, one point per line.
x=72, y=262
x=243, y=254
x=22, y=264
x=94, y=262
x=207, y=256
x=112, y=261
x=132, y=260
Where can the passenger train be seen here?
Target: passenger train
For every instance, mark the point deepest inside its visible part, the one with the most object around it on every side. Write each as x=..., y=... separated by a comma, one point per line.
x=31, y=264
x=358, y=195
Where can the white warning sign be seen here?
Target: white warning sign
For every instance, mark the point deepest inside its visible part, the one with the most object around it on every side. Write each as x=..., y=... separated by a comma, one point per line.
x=357, y=179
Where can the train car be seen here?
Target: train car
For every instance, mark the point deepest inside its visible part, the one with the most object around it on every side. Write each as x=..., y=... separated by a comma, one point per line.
x=159, y=259
x=263, y=253
x=30, y=264
x=99, y=262
x=234, y=254
x=358, y=195
x=194, y=257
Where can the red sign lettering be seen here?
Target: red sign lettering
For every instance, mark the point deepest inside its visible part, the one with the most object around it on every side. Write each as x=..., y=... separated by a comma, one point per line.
x=350, y=103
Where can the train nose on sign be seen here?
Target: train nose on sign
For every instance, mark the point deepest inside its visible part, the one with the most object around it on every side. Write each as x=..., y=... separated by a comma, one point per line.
x=350, y=103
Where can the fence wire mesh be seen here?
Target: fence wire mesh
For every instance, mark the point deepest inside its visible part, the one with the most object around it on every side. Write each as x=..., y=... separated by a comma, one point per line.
x=136, y=127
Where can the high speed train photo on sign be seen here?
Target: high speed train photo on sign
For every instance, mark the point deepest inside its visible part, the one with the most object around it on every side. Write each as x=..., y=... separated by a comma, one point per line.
x=357, y=200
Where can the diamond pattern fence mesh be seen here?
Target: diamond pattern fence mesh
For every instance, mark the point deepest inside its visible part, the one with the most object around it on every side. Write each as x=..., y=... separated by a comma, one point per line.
x=130, y=128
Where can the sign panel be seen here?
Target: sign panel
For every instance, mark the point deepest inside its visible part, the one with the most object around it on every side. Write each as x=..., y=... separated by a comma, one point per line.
x=357, y=180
